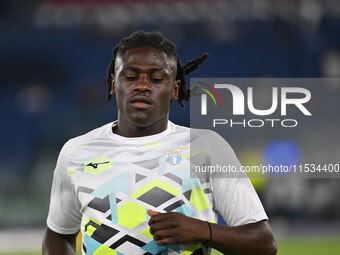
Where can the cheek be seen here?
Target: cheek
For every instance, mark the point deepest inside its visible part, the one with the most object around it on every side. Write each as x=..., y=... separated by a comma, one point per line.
x=164, y=101
x=165, y=94
x=122, y=91
x=120, y=98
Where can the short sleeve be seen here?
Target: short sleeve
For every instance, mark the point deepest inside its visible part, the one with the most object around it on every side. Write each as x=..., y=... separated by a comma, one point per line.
x=64, y=215
x=234, y=197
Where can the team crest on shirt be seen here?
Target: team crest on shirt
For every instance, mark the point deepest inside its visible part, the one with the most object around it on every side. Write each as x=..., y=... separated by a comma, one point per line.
x=175, y=156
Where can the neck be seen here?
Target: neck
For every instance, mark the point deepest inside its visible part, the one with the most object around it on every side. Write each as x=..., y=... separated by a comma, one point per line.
x=128, y=129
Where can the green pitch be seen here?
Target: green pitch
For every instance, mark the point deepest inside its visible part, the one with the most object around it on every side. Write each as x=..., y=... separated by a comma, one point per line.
x=309, y=246
x=291, y=246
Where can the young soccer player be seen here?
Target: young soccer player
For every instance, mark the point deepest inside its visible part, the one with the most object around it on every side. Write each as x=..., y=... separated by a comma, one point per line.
x=127, y=185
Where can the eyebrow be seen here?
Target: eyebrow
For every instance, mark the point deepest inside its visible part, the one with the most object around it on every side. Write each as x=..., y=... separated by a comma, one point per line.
x=133, y=68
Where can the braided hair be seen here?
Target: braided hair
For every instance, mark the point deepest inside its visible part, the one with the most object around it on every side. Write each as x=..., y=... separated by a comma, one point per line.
x=157, y=41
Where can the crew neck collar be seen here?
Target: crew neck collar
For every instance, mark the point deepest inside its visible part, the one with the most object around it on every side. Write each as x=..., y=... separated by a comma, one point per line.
x=149, y=138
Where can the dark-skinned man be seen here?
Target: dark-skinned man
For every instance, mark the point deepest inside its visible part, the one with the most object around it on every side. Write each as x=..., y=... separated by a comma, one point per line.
x=128, y=186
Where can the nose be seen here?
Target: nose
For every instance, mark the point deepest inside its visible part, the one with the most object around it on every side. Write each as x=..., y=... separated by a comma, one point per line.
x=143, y=84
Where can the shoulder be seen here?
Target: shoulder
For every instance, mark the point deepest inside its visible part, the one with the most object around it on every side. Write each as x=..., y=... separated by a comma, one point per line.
x=219, y=150
x=195, y=132
x=205, y=138
x=202, y=136
x=208, y=137
x=99, y=133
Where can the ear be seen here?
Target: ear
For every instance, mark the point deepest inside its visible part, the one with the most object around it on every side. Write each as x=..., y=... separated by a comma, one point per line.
x=175, y=90
x=112, y=85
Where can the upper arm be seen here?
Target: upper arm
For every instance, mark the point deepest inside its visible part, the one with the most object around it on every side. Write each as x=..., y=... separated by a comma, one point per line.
x=54, y=243
x=234, y=196
x=236, y=200
x=64, y=215
x=261, y=233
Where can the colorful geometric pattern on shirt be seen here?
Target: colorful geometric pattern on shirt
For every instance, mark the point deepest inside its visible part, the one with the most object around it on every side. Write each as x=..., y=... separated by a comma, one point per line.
x=99, y=231
x=93, y=247
x=155, y=196
x=90, y=246
x=175, y=189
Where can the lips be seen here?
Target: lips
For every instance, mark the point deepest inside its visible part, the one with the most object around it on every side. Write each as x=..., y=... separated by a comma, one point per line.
x=141, y=102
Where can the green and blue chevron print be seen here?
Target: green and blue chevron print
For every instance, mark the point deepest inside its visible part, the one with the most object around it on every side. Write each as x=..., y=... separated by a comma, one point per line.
x=114, y=212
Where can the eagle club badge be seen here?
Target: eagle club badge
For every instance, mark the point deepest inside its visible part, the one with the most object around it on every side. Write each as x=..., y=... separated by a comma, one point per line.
x=175, y=156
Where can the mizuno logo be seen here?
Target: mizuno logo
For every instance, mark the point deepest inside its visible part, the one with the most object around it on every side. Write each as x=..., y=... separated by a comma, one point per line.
x=95, y=165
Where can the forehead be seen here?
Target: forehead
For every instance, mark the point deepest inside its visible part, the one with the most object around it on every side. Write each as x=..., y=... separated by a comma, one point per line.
x=144, y=56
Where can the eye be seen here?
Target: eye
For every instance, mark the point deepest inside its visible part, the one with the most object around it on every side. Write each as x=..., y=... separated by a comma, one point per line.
x=156, y=80
x=130, y=77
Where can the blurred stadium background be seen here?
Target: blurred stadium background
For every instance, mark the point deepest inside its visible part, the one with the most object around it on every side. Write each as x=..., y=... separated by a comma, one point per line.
x=53, y=61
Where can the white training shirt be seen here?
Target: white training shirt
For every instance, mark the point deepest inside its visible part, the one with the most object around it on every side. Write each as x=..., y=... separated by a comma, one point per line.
x=104, y=183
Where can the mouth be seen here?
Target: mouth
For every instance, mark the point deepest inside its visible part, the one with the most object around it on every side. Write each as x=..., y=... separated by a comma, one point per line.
x=141, y=102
